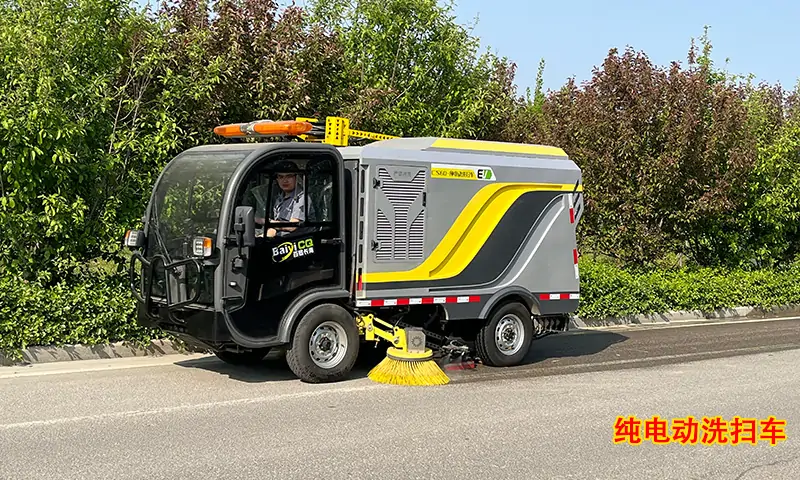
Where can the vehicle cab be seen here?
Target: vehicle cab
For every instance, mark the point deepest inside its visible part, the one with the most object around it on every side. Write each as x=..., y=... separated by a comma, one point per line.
x=239, y=238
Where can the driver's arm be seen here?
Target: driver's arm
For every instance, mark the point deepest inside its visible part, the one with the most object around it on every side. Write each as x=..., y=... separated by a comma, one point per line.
x=298, y=213
x=274, y=230
x=297, y=216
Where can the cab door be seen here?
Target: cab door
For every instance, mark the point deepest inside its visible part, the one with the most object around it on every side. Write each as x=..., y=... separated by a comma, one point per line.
x=268, y=273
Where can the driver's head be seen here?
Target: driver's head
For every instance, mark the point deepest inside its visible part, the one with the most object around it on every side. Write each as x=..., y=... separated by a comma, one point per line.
x=286, y=175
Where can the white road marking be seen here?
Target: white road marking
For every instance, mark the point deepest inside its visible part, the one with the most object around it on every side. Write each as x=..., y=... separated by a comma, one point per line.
x=187, y=407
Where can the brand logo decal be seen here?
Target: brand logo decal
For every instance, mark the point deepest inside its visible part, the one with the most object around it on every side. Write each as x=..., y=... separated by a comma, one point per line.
x=463, y=172
x=287, y=250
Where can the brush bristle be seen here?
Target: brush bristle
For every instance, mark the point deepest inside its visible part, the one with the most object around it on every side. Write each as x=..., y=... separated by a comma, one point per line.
x=398, y=372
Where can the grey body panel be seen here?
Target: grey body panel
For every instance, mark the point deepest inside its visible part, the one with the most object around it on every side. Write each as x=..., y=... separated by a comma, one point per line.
x=534, y=261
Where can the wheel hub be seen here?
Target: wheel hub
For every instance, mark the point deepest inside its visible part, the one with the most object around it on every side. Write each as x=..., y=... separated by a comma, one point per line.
x=509, y=334
x=327, y=345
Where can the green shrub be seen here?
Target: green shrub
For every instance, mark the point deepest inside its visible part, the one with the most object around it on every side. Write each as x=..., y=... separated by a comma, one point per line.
x=608, y=290
x=93, y=311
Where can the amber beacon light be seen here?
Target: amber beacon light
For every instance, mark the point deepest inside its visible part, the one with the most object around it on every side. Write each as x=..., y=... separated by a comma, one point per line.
x=264, y=127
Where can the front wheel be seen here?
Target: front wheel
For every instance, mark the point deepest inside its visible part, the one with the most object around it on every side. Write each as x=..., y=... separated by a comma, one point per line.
x=505, y=338
x=325, y=345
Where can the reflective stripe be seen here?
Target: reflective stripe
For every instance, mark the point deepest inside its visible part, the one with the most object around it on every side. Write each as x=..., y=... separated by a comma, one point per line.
x=391, y=302
x=559, y=296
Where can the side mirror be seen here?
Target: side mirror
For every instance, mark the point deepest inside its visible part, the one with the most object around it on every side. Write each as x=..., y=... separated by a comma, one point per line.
x=245, y=226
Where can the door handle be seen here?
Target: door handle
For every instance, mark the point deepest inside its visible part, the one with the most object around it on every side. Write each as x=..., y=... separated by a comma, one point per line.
x=331, y=241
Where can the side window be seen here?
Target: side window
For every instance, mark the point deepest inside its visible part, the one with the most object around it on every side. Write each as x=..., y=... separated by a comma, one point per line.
x=320, y=183
x=320, y=197
x=291, y=189
x=256, y=194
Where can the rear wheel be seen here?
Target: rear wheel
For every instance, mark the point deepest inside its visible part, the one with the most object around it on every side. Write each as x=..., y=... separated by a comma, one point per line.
x=252, y=357
x=505, y=338
x=325, y=345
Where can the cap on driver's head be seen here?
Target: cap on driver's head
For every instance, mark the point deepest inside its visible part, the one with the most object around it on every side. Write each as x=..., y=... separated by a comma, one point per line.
x=286, y=167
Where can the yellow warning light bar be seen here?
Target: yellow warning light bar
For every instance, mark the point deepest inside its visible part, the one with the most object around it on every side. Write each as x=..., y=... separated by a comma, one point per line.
x=337, y=130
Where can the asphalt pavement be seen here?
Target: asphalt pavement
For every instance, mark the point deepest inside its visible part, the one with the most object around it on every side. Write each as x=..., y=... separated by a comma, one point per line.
x=193, y=416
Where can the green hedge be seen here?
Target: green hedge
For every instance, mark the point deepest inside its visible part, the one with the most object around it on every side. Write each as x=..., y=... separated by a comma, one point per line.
x=99, y=309
x=610, y=291
x=94, y=311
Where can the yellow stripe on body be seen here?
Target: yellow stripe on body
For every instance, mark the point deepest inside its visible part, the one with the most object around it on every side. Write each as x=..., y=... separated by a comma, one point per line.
x=469, y=232
x=486, y=146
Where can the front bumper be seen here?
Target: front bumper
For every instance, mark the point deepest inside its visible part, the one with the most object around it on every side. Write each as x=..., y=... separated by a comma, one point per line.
x=200, y=328
x=197, y=324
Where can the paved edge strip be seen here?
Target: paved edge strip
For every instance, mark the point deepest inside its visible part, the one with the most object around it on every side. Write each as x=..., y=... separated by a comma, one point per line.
x=67, y=353
x=720, y=315
x=49, y=354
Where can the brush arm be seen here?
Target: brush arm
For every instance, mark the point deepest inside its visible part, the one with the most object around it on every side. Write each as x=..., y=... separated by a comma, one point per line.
x=373, y=329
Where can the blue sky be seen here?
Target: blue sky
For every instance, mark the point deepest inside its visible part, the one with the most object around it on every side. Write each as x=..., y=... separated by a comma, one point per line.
x=762, y=38
x=759, y=37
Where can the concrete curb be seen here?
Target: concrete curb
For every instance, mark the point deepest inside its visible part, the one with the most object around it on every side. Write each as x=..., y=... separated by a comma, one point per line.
x=66, y=353
x=726, y=314
x=49, y=354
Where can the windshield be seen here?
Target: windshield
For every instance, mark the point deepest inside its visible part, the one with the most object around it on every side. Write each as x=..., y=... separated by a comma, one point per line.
x=188, y=199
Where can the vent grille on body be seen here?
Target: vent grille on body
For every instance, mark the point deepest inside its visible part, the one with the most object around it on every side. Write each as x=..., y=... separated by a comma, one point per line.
x=406, y=239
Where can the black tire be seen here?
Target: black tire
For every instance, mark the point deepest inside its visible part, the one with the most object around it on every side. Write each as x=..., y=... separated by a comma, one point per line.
x=342, y=325
x=252, y=357
x=520, y=321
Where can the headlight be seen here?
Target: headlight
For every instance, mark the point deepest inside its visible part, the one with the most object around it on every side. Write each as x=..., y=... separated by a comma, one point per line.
x=134, y=239
x=201, y=246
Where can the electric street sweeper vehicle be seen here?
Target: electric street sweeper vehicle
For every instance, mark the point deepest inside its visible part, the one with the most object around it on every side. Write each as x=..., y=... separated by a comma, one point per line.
x=457, y=248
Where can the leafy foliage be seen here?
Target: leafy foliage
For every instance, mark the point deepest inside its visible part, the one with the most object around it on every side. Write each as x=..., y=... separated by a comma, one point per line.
x=411, y=70
x=94, y=311
x=664, y=155
x=774, y=192
x=608, y=290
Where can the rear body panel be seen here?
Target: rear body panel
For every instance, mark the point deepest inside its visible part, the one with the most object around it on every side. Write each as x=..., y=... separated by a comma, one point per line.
x=458, y=226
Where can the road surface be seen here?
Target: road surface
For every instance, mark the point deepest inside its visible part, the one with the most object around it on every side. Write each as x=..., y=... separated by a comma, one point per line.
x=554, y=417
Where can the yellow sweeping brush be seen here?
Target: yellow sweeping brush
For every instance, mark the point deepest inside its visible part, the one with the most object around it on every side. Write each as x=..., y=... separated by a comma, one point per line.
x=407, y=361
x=406, y=368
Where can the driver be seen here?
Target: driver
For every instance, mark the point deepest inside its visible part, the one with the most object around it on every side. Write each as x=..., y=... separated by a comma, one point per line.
x=288, y=202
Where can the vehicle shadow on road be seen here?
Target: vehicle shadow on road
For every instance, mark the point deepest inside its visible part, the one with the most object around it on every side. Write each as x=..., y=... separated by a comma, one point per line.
x=580, y=344
x=550, y=349
x=274, y=367
x=551, y=355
